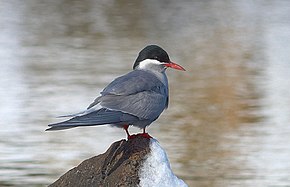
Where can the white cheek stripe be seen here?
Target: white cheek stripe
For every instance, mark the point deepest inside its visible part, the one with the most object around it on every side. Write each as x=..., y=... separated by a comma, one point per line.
x=143, y=64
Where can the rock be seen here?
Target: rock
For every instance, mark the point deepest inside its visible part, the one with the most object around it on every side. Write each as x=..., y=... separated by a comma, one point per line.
x=118, y=166
x=137, y=162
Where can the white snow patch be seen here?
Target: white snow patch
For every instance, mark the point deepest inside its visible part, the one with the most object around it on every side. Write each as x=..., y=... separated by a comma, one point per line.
x=156, y=169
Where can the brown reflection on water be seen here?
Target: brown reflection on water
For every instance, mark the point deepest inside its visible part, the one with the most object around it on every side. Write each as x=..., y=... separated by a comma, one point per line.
x=212, y=101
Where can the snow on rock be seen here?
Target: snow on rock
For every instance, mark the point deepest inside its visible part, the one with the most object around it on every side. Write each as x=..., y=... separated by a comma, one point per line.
x=156, y=169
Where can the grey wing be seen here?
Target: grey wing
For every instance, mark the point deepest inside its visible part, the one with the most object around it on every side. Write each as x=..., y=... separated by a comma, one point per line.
x=144, y=105
x=99, y=117
x=125, y=85
x=138, y=93
x=134, y=82
x=132, y=97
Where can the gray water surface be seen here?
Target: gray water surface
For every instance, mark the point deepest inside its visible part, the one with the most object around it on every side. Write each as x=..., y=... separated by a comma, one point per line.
x=228, y=122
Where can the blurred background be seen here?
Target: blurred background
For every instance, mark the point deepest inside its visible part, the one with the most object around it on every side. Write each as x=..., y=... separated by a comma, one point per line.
x=228, y=122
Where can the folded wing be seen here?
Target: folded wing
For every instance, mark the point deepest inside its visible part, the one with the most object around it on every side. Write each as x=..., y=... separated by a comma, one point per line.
x=138, y=95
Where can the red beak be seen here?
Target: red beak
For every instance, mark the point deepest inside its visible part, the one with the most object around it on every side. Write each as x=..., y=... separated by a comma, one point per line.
x=174, y=66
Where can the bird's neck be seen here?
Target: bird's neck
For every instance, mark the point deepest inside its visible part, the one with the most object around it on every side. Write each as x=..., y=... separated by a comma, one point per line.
x=160, y=75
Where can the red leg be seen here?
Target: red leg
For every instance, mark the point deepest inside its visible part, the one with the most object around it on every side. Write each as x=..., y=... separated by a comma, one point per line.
x=127, y=132
x=144, y=134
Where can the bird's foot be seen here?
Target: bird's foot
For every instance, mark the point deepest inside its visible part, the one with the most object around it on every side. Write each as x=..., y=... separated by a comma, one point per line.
x=144, y=135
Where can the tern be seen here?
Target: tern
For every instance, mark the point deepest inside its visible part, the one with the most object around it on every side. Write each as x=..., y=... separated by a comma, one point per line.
x=136, y=98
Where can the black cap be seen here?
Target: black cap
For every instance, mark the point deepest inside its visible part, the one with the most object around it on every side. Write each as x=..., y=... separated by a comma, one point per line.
x=153, y=52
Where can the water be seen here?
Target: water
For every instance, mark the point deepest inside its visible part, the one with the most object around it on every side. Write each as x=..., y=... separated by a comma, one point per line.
x=228, y=119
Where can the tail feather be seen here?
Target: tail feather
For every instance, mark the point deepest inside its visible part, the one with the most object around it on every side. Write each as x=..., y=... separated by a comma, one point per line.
x=82, y=113
x=100, y=117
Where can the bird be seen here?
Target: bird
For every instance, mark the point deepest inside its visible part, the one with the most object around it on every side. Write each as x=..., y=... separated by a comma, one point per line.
x=134, y=99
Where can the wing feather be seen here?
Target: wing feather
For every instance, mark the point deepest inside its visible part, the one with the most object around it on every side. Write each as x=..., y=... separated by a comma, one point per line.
x=139, y=93
x=100, y=117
